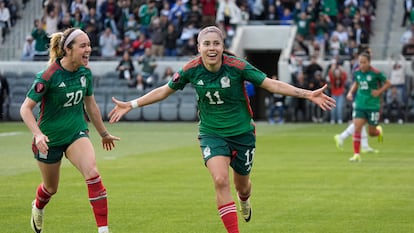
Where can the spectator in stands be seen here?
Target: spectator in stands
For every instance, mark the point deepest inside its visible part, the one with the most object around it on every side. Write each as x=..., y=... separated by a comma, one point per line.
x=178, y=14
x=51, y=19
x=301, y=46
x=322, y=32
x=4, y=95
x=257, y=9
x=125, y=46
x=394, y=107
x=108, y=8
x=108, y=43
x=276, y=104
x=228, y=15
x=110, y=22
x=141, y=44
x=92, y=4
x=5, y=23
x=28, y=49
x=341, y=33
x=147, y=77
x=158, y=35
x=167, y=76
x=397, y=78
x=188, y=31
x=360, y=35
x=170, y=43
x=408, y=49
x=302, y=21
x=146, y=13
x=195, y=16
x=317, y=82
x=126, y=68
x=77, y=20
x=65, y=23
x=311, y=69
x=78, y=5
x=346, y=19
x=93, y=34
x=330, y=8
x=41, y=38
x=408, y=34
x=286, y=17
x=189, y=48
x=337, y=84
x=407, y=6
x=92, y=18
x=299, y=105
x=132, y=28
x=335, y=46
x=208, y=12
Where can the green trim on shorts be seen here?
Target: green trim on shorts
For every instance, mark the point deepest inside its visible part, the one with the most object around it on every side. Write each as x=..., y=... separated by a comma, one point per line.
x=372, y=116
x=55, y=153
x=239, y=148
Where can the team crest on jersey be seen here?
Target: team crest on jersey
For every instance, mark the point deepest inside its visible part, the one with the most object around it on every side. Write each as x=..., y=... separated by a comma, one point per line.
x=225, y=82
x=369, y=78
x=176, y=78
x=83, y=81
x=39, y=87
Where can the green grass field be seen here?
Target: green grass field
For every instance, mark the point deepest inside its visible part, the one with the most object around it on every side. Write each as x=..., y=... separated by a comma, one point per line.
x=157, y=182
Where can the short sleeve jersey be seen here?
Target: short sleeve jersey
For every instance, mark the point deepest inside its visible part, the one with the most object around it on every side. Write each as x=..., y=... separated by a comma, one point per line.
x=222, y=99
x=61, y=94
x=368, y=81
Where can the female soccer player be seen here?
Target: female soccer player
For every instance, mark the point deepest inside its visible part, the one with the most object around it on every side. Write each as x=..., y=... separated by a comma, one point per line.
x=226, y=129
x=369, y=84
x=64, y=90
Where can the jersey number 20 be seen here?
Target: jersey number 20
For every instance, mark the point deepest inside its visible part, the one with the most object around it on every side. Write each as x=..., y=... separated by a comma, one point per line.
x=73, y=98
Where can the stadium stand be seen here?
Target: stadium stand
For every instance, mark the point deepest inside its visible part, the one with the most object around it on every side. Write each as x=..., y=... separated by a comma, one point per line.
x=384, y=37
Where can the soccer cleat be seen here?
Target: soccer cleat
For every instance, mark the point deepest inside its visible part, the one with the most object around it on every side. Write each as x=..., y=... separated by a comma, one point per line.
x=355, y=158
x=246, y=209
x=338, y=142
x=381, y=134
x=369, y=150
x=36, y=221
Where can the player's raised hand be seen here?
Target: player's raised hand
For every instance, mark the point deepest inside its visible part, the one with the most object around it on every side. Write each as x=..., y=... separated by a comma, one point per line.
x=121, y=108
x=108, y=141
x=323, y=101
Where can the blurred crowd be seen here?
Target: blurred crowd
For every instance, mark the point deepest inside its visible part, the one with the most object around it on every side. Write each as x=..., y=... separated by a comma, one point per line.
x=170, y=27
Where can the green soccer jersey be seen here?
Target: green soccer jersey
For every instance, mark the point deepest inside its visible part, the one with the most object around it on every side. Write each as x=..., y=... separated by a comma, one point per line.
x=223, y=103
x=368, y=81
x=61, y=95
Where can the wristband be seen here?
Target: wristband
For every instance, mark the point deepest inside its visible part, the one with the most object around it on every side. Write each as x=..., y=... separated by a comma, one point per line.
x=134, y=103
x=104, y=134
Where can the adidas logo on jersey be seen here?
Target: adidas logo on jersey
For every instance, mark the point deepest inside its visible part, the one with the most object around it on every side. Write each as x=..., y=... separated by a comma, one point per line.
x=200, y=83
x=62, y=84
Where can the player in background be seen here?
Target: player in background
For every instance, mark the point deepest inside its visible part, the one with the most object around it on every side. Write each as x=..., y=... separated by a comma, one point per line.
x=368, y=86
x=349, y=131
x=226, y=128
x=64, y=90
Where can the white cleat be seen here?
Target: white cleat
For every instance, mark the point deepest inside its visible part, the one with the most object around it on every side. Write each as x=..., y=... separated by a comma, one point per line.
x=246, y=209
x=355, y=158
x=36, y=221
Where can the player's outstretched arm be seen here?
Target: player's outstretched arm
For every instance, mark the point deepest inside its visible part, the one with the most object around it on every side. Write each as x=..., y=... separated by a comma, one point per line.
x=317, y=96
x=121, y=108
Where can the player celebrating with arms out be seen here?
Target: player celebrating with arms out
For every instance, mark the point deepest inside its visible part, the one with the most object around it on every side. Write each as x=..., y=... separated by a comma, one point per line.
x=226, y=129
x=64, y=89
x=367, y=104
